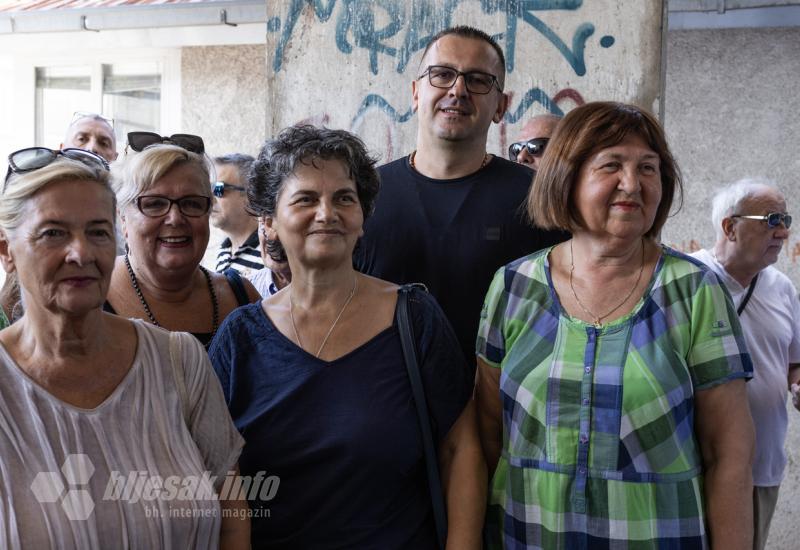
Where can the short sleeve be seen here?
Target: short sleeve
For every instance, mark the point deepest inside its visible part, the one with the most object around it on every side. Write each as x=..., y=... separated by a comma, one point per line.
x=491, y=345
x=794, y=304
x=209, y=421
x=445, y=373
x=718, y=352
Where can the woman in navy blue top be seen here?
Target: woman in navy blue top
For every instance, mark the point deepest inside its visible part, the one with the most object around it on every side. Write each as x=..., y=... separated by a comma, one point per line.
x=315, y=379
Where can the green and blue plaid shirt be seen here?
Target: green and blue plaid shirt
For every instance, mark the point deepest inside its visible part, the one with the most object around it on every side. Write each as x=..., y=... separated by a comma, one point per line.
x=599, y=449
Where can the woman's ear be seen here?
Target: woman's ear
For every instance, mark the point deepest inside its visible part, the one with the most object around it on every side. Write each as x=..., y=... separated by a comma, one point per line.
x=6, y=256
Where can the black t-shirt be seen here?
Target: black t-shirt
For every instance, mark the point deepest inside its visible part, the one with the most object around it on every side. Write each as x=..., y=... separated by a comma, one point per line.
x=451, y=235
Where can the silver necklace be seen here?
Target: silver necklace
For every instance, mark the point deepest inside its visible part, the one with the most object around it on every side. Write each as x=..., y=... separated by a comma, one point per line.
x=335, y=321
x=598, y=318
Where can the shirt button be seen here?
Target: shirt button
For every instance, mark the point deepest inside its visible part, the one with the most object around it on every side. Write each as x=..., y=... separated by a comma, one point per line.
x=585, y=400
x=584, y=438
x=582, y=471
x=587, y=369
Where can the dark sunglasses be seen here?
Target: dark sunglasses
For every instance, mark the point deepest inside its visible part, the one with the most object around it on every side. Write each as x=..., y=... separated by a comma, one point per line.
x=535, y=148
x=33, y=158
x=773, y=219
x=155, y=206
x=139, y=141
x=219, y=188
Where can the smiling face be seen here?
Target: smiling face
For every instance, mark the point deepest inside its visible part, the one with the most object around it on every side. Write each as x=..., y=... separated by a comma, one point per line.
x=619, y=190
x=63, y=252
x=92, y=135
x=755, y=243
x=318, y=217
x=172, y=242
x=455, y=114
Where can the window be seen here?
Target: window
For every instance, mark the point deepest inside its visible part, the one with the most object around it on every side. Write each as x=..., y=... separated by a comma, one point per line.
x=129, y=93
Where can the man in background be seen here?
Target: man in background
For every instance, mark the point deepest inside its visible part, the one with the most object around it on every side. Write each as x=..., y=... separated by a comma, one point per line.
x=240, y=249
x=91, y=132
x=751, y=226
x=532, y=140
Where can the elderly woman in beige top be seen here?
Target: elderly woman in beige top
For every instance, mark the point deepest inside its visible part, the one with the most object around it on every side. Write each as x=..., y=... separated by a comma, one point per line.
x=112, y=432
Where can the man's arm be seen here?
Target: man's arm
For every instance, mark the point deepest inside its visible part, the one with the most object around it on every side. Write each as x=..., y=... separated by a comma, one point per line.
x=794, y=384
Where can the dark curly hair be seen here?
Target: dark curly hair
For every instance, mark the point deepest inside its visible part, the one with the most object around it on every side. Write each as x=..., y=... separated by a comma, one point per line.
x=304, y=143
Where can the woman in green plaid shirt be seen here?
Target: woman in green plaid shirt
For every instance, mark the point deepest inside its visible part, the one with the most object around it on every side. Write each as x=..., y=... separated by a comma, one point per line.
x=612, y=368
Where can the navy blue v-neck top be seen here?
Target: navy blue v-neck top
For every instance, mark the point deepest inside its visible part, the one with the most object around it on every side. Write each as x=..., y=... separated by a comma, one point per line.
x=342, y=436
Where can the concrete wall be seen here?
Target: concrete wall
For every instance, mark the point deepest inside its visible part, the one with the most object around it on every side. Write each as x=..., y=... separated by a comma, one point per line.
x=731, y=112
x=349, y=64
x=223, y=97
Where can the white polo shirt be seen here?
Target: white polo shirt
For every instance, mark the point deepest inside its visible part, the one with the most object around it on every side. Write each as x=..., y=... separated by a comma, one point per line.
x=771, y=325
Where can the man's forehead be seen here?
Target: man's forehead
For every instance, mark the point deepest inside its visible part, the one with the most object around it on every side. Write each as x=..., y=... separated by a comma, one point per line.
x=89, y=125
x=463, y=53
x=535, y=128
x=766, y=199
x=227, y=172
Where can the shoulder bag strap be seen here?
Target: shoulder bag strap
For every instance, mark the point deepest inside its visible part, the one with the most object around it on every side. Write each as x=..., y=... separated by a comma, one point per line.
x=746, y=299
x=237, y=285
x=431, y=462
x=177, y=373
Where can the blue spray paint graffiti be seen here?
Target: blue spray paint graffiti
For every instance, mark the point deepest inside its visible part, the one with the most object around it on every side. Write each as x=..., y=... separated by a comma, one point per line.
x=357, y=19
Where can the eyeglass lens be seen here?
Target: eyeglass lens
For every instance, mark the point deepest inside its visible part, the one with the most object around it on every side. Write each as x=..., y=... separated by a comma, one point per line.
x=155, y=206
x=475, y=81
x=774, y=219
x=535, y=147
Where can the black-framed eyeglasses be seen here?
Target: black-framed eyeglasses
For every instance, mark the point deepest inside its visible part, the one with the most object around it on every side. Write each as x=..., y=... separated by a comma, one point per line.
x=535, y=147
x=477, y=82
x=773, y=219
x=219, y=188
x=139, y=141
x=155, y=206
x=33, y=158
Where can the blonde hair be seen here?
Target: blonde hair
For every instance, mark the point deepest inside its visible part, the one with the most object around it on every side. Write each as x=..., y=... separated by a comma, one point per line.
x=138, y=172
x=22, y=187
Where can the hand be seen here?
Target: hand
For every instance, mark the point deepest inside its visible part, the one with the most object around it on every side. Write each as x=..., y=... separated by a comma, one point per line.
x=795, y=389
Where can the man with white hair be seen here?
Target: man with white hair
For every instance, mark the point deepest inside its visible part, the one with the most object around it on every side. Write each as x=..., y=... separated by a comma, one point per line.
x=751, y=225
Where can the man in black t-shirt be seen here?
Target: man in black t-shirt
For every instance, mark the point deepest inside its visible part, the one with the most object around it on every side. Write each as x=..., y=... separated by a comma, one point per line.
x=449, y=214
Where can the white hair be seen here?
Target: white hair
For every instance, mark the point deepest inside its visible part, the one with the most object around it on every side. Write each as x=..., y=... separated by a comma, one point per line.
x=728, y=199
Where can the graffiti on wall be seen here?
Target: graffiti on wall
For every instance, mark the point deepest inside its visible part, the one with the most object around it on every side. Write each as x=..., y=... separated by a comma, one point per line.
x=397, y=29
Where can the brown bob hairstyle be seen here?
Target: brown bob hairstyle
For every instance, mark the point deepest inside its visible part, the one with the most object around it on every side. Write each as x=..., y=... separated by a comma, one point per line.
x=584, y=131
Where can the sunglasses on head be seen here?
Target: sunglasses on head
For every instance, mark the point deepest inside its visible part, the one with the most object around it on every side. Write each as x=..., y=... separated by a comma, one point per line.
x=219, y=188
x=139, y=141
x=773, y=219
x=33, y=158
x=78, y=115
x=535, y=148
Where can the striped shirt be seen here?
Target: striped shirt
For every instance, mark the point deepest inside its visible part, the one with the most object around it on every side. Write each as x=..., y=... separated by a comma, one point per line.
x=246, y=259
x=599, y=448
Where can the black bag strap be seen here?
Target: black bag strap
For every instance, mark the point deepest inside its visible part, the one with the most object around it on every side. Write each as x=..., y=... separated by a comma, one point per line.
x=431, y=462
x=237, y=285
x=746, y=299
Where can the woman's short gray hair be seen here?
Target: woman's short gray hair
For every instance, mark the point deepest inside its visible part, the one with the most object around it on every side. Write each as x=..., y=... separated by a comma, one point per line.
x=303, y=144
x=138, y=172
x=727, y=200
x=22, y=187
